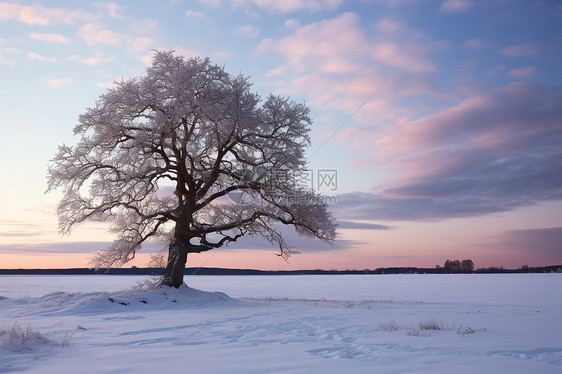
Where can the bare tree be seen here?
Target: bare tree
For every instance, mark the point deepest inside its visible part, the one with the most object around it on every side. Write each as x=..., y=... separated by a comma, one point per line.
x=456, y=266
x=159, y=155
x=452, y=266
x=467, y=266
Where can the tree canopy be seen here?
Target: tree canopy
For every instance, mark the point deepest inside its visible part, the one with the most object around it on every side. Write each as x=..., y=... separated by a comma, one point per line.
x=159, y=155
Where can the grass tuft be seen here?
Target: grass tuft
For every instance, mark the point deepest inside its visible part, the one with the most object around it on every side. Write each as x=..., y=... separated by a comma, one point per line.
x=434, y=324
x=389, y=326
x=17, y=339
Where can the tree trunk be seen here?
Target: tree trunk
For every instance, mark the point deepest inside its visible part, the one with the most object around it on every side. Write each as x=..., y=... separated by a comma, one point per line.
x=177, y=258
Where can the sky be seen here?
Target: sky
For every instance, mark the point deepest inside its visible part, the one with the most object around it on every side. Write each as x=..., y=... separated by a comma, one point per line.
x=437, y=127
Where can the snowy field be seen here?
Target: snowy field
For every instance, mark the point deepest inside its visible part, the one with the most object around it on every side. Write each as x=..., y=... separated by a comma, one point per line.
x=508, y=323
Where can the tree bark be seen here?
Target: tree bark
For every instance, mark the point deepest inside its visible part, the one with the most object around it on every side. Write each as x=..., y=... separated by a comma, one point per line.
x=177, y=258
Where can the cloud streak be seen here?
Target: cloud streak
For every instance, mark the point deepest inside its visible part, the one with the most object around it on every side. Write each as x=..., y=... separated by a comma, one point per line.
x=37, y=14
x=68, y=247
x=490, y=153
x=455, y=6
x=59, y=82
x=36, y=56
x=285, y=6
x=96, y=33
x=522, y=72
x=373, y=206
x=523, y=50
x=353, y=225
x=98, y=58
x=50, y=38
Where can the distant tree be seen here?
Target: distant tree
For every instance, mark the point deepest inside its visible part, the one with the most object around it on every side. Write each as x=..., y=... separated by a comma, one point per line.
x=448, y=266
x=467, y=266
x=158, y=156
x=456, y=266
x=452, y=266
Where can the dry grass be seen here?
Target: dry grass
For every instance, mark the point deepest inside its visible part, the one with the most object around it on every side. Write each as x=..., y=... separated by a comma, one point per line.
x=468, y=331
x=389, y=326
x=434, y=324
x=424, y=327
x=412, y=332
x=18, y=339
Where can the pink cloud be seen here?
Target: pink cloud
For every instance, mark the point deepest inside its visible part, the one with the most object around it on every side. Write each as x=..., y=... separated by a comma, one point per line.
x=291, y=23
x=50, y=38
x=522, y=72
x=455, y=6
x=285, y=6
x=318, y=45
x=293, y=5
x=192, y=13
x=97, y=59
x=110, y=8
x=95, y=33
x=37, y=14
x=523, y=50
x=36, y=56
x=393, y=55
x=58, y=82
x=337, y=64
x=496, y=142
x=491, y=113
x=139, y=44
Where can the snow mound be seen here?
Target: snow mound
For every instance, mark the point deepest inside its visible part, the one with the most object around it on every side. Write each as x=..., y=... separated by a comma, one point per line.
x=143, y=299
x=137, y=298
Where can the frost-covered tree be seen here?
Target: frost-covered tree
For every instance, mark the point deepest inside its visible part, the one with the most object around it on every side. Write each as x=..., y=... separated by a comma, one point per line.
x=160, y=155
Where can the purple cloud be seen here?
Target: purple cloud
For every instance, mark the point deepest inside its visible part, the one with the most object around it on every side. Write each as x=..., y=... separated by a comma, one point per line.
x=490, y=153
x=455, y=6
x=371, y=206
x=67, y=247
x=362, y=226
x=523, y=50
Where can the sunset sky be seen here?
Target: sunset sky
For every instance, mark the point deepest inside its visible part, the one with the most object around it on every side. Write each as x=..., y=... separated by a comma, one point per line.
x=439, y=122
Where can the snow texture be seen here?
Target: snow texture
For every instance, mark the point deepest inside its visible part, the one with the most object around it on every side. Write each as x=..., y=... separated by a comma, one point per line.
x=507, y=323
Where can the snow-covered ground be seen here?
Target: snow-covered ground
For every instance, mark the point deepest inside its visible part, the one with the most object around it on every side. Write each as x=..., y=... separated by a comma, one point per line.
x=508, y=323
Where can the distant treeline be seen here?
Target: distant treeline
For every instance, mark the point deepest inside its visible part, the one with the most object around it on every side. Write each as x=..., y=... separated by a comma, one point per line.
x=223, y=271
x=456, y=266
